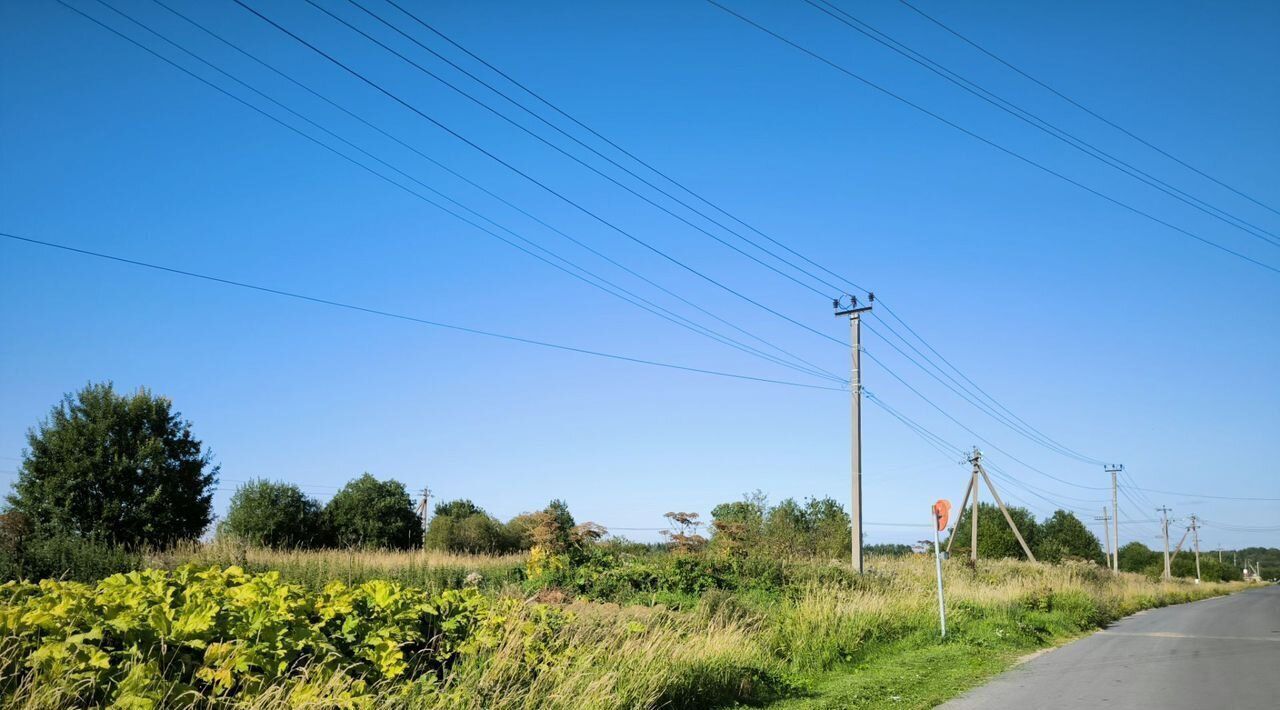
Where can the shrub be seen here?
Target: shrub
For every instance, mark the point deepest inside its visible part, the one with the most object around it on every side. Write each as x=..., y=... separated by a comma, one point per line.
x=275, y=515
x=65, y=557
x=369, y=513
x=462, y=526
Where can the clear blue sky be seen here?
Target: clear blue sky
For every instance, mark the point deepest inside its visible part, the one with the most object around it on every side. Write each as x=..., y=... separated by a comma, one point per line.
x=1117, y=336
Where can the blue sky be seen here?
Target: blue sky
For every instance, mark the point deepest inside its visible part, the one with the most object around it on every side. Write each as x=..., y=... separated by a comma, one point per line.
x=1115, y=335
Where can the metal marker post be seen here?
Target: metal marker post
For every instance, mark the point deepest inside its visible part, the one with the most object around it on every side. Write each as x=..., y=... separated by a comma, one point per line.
x=937, y=558
x=941, y=512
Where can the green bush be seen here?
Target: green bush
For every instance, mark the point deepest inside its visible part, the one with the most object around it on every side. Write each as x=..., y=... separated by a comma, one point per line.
x=369, y=513
x=275, y=515
x=462, y=526
x=65, y=557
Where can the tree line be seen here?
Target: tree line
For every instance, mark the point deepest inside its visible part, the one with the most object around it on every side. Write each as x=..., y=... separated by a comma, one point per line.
x=108, y=470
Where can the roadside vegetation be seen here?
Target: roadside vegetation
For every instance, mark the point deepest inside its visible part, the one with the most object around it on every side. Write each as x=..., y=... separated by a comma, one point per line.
x=294, y=604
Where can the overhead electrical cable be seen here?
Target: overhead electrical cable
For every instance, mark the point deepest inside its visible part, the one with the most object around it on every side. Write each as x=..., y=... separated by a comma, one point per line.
x=967, y=396
x=962, y=425
x=665, y=176
x=550, y=190
x=418, y=19
x=826, y=294
x=867, y=30
x=1086, y=109
x=487, y=191
x=996, y=403
x=1008, y=151
x=411, y=319
x=609, y=287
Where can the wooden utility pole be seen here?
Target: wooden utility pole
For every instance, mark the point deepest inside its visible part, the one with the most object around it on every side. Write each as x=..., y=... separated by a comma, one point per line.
x=1113, y=469
x=854, y=313
x=1106, y=533
x=975, y=458
x=1164, y=525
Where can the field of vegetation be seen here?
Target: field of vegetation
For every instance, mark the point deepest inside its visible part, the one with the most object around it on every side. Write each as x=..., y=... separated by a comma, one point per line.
x=107, y=600
x=611, y=626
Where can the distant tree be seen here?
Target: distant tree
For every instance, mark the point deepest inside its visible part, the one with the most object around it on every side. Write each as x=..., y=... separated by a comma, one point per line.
x=122, y=468
x=462, y=526
x=373, y=514
x=276, y=515
x=1137, y=557
x=1063, y=537
x=995, y=539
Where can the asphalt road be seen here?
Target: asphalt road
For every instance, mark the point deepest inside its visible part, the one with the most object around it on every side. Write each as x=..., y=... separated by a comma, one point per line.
x=1216, y=653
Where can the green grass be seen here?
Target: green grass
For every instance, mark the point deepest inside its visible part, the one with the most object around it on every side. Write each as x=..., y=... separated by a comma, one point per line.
x=903, y=676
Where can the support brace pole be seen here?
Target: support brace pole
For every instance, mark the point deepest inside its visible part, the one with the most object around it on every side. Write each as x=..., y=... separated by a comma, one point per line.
x=1009, y=519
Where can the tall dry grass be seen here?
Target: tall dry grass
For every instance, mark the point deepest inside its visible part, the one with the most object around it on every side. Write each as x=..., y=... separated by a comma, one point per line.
x=427, y=569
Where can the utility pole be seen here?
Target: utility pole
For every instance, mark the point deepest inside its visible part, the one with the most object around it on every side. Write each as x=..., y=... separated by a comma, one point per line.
x=973, y=537
x=1106, y=533
x=1113, y=469
x=975, y=458
x=854, y=312
x=1195, y=536
x=424, y=511
x=1164, y=525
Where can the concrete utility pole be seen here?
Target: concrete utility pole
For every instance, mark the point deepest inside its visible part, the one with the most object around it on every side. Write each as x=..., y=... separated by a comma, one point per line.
x=973, y=537
x=1164, y=524
x=1113, y=469
x=424, y=510
x=1106, y=533
x=1195, y=536
x=975, y=458
x=854, y=312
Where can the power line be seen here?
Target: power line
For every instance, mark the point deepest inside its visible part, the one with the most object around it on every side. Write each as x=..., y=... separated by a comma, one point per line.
x=867, y=30
x=611, y=287
x=1063, y=448
x=1008, y=151
x=581, y=143
x=968, y=396
x=631, y=155
x=1036, y=434
x=412, y=319
x=962, y=425
x=1084, y=108
x=567, y=200
x=485, y=190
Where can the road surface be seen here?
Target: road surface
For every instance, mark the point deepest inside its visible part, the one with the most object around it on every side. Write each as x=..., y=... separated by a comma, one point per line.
x=1217, y=653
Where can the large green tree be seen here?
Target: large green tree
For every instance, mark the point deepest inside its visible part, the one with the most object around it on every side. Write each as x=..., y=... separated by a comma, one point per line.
x=373, y=514
x=995, y=539
x=119, y=467
x=272, y=514
x=1062, y=536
